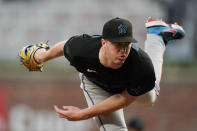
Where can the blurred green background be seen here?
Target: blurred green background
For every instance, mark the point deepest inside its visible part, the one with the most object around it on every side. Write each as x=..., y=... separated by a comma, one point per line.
x=27, y=98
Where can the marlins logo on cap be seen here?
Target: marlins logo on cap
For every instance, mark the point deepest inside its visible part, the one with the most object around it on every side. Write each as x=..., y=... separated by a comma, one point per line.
x=122, y=29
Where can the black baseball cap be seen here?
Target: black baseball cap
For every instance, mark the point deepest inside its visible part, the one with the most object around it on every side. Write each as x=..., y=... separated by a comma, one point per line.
x=118, y=30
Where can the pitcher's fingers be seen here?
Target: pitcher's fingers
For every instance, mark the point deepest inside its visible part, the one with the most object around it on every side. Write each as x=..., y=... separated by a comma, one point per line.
x=58, y=110
x=66, y=107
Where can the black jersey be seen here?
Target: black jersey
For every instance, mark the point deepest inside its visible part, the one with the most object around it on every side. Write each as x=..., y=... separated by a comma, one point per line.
x=136, y=75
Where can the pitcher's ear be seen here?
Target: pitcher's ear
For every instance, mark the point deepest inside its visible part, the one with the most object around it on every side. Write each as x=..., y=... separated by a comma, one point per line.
x=103, y=41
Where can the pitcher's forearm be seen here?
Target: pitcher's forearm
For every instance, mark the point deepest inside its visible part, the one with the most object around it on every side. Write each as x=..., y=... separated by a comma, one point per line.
x=111, y=104
x=57, y=50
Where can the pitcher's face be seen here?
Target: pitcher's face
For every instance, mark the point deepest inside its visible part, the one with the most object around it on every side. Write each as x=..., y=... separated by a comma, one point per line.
x=116, y=52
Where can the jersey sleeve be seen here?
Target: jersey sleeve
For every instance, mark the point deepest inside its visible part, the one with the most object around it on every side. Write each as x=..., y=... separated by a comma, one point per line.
x=67, y=50
x=76, y=50
x=75, y=46
x=72, y=49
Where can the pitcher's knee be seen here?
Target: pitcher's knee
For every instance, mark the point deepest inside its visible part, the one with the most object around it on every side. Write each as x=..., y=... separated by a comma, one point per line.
x=147, y=99
x=150, y=101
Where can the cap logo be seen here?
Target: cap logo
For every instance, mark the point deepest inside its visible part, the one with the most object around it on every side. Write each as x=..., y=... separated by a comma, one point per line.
x=122, y=29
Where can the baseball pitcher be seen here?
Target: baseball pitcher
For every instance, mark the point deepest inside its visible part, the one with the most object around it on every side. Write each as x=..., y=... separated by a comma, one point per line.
x=113, y=70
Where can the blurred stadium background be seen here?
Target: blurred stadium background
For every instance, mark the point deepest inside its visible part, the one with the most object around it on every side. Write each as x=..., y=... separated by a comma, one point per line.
x=27, y=98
